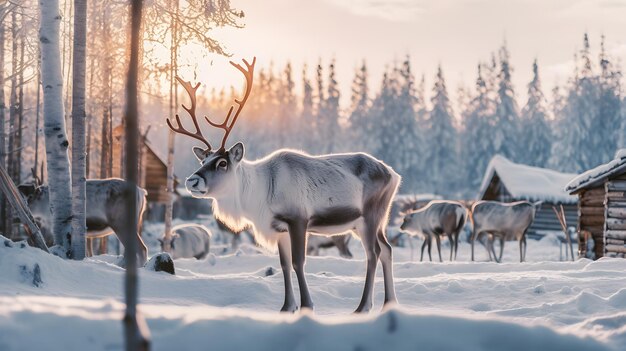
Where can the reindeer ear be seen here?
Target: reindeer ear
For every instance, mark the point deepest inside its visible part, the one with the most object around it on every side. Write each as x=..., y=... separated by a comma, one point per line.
x=236, y=152
x=200, y=153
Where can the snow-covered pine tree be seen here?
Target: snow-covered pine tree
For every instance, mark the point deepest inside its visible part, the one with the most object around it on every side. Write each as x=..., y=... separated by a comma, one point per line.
x=412, y=154
x=421, y=110
x=421, y=142
x=307, y=127
x=330, y=129
x=607, y=126
x=576, y=150
x=317, y=146
x=361, y=124
x=287, y=114
x=57, y=160
x=442, y=137
x=559, y=129
x=536, y=133
x=506, y=136
x=477, y=137
x=396, y=131
x=374, y=141
x=490, y=75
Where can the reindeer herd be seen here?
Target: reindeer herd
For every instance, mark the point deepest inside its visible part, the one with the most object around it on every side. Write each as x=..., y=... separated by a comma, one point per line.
x=491, y=220
x=289, y=194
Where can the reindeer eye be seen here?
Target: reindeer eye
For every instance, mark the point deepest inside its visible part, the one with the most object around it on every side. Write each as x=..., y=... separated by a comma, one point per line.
x=222, y=164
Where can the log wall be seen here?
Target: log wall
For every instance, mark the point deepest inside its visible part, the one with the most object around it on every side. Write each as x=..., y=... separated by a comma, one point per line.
x=591, y=214
x=615, y=216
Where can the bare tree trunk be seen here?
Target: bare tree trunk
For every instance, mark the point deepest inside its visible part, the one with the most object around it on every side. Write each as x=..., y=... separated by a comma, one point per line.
x=79, y=219
x=135, y=327
x=37, y=112
x=20, y=109
x=54, y=124
x=3, y=204
x=106, y=160
x=13, y=111
x=169, y=205
x=93, y=26
x=67, y=64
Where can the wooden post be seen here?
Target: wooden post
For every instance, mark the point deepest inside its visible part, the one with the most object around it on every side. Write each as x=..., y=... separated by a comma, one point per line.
x=16, y=200
x=560, y=215
x=137, y=335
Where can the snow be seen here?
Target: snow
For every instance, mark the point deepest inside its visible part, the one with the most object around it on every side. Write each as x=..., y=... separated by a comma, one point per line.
x=528, y=182
x=229, y=300
x=598, y=174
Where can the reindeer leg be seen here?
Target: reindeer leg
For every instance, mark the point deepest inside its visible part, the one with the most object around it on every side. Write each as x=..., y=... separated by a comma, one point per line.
x=492, y=249
x=369, y=241
x=284, y=251
x=423, y=247
x=501, y=249
x=438, y=246
x=523, y=254
x=430, y=245
x=142, y=251
x=488, y=247
x=472, y=240
x=89, y=247
x=297, y=233
x=451, y=240
x=386, y=259
x=456, y=243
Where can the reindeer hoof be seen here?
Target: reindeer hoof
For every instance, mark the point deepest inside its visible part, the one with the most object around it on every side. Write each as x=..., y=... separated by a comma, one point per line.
x=363, y=308
x=289, y=308
x=390, y=303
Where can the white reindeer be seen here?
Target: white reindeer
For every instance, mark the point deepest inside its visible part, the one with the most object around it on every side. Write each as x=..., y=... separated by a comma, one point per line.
x=288, y=193
x=106, y=211
x=189, y=240
x=504, y=221
x=437, y=219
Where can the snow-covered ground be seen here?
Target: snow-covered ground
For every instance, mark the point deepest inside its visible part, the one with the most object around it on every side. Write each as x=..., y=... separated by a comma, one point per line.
x=228, y=301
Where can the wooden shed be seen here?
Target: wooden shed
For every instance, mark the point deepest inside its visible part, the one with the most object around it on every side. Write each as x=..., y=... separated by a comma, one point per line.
x=152, y=167
x=507, y=181
x=602, y=208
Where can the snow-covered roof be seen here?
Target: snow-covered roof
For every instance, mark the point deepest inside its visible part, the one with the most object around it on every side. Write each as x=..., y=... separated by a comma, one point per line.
x=528, y=182
x=599, y=174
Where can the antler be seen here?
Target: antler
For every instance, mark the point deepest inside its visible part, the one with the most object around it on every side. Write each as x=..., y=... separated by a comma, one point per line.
x=191, y=91
x=248, y=73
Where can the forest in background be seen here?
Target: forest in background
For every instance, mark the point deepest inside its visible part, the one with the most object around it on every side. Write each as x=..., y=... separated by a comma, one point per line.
x=439, y=144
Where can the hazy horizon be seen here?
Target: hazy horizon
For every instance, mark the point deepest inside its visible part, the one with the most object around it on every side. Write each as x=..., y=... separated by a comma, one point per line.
x=458, y=34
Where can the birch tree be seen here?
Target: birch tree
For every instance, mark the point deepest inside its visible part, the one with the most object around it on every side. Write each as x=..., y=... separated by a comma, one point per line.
x=79, y=223
x=57, y=160
x=3, y=205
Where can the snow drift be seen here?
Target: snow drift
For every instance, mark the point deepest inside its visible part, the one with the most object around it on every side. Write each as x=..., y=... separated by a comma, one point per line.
x=229, y=302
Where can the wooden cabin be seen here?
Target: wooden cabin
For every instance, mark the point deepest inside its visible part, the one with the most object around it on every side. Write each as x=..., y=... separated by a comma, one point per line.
x=507, y=181
x=152, y=170
x=602, y=208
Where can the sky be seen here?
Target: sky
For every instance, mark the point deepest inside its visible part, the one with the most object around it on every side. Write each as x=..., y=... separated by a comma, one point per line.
x=456, y=34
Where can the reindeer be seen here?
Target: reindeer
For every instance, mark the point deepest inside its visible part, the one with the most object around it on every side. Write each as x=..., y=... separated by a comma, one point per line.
x=289, y=193
x=504, y=221
x=106, y=210
x=436, y=219
x=316, y=242
x=189, y=240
